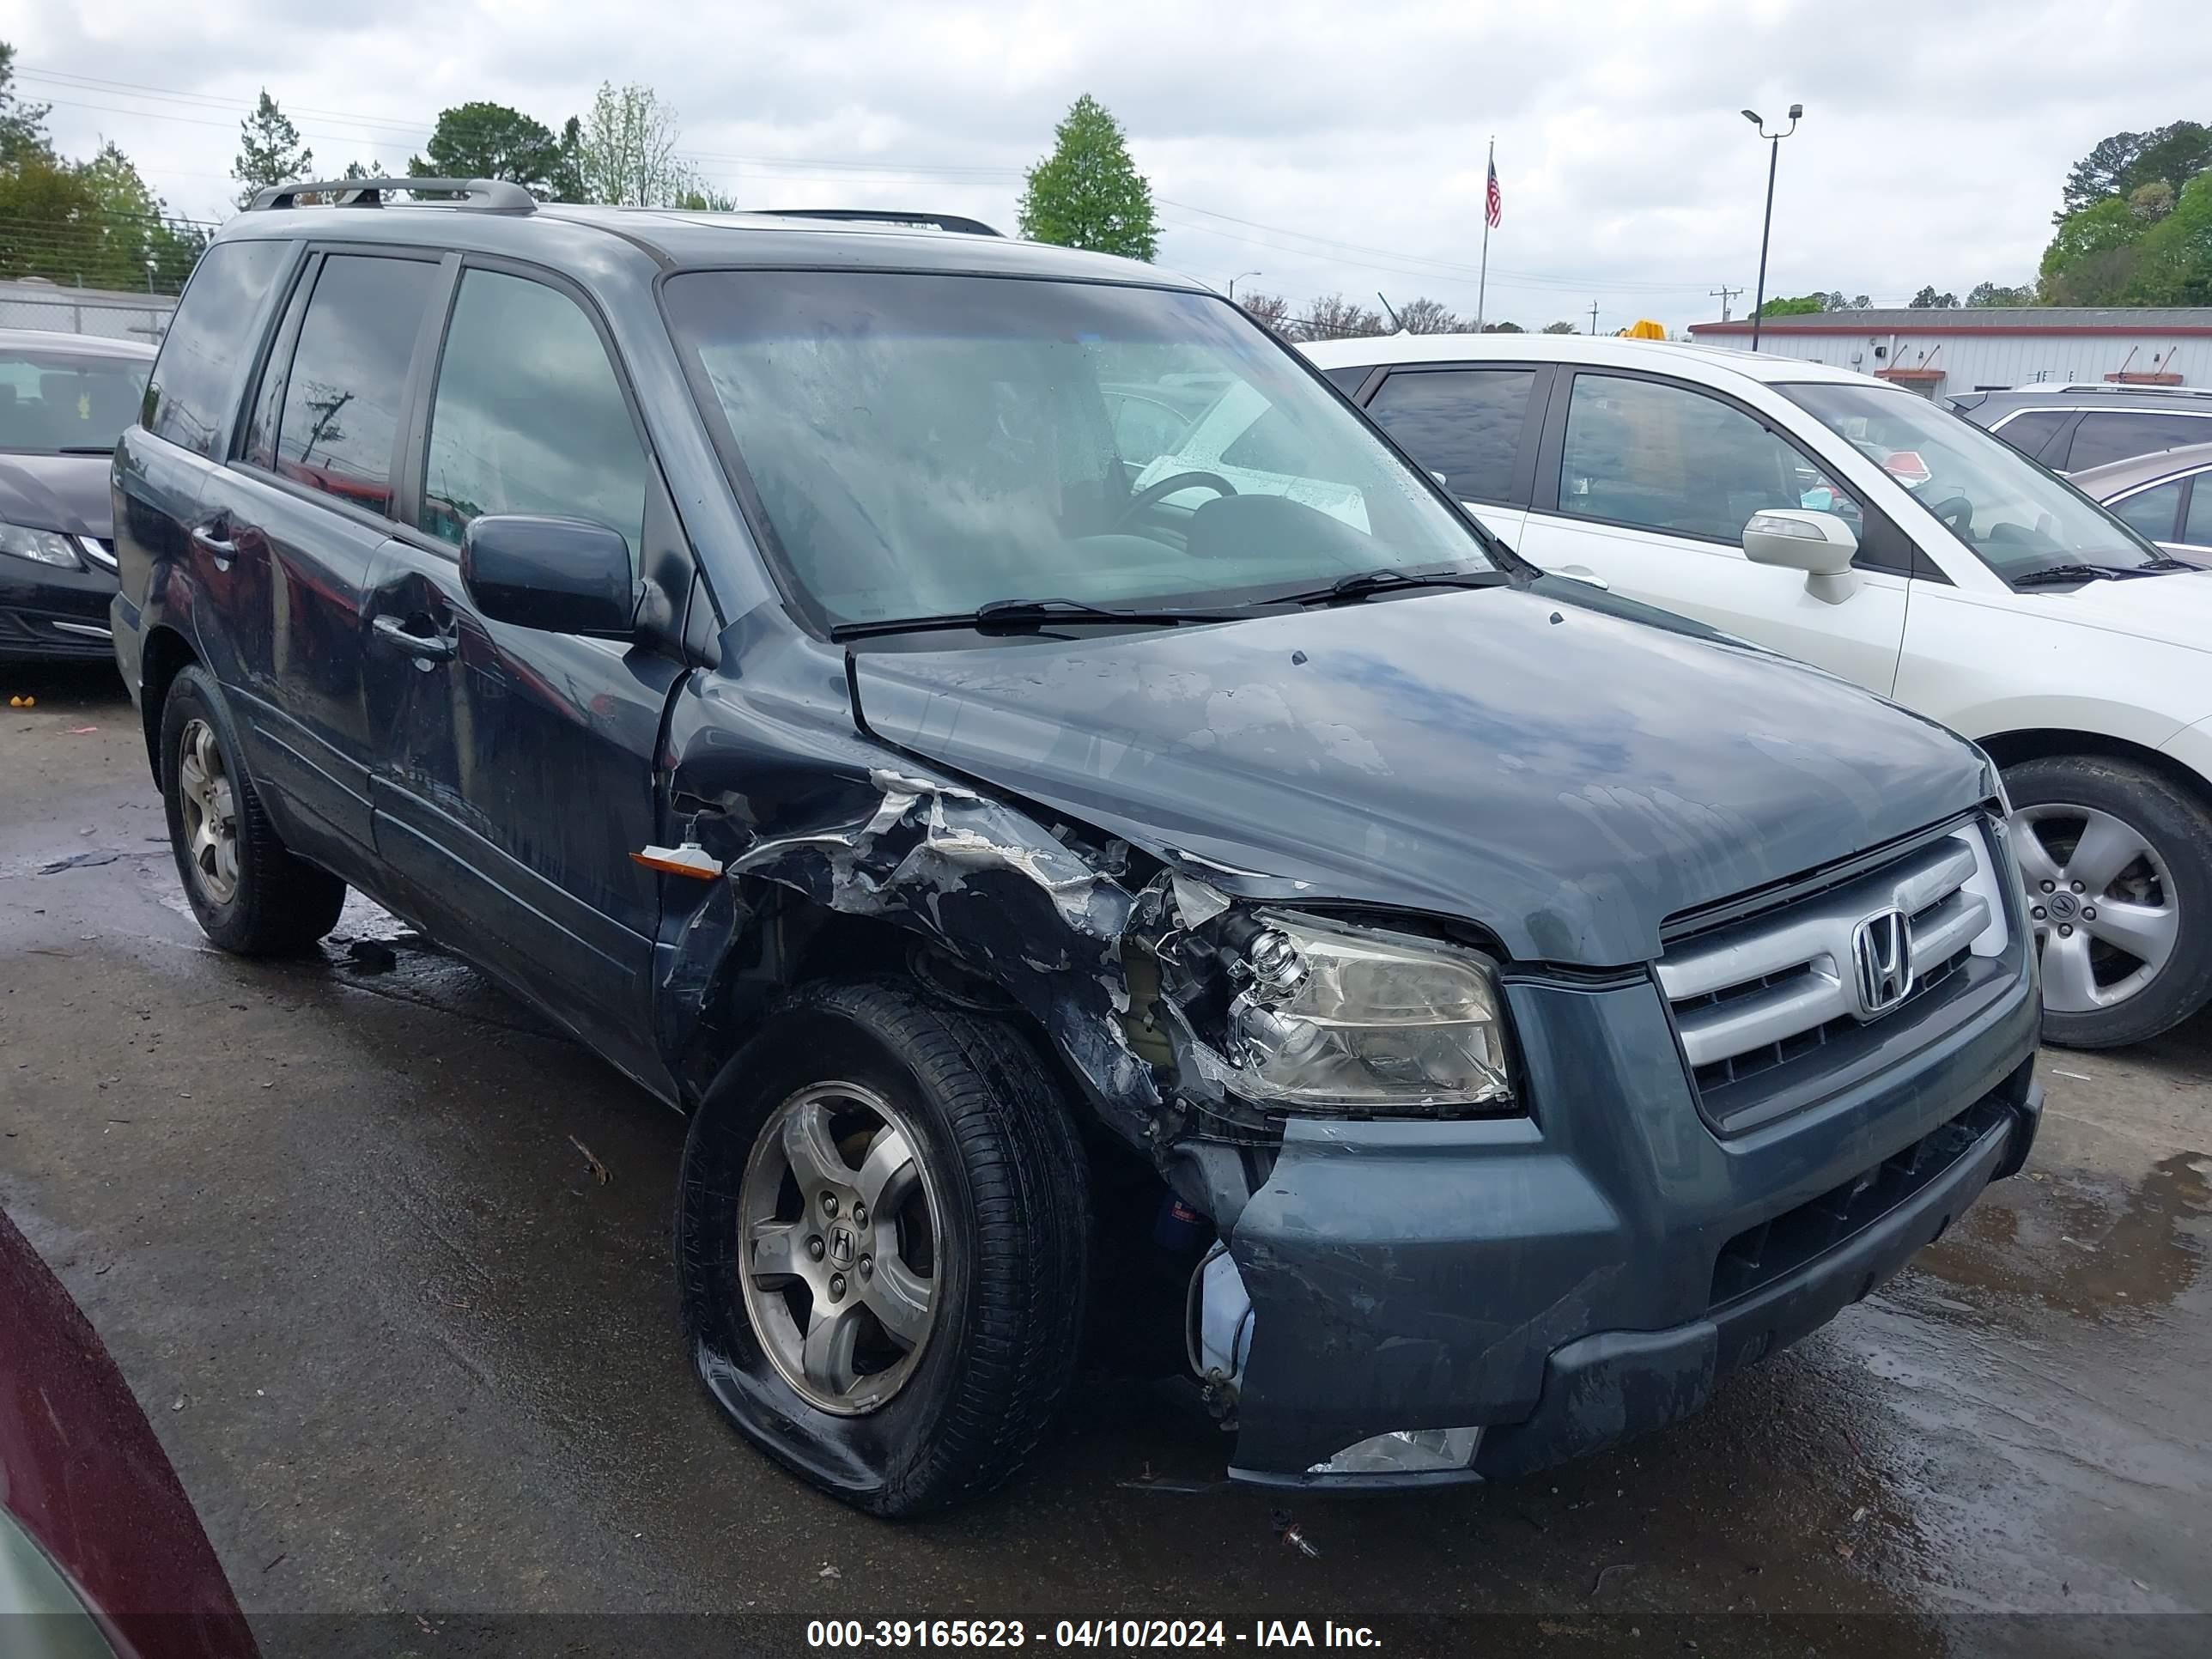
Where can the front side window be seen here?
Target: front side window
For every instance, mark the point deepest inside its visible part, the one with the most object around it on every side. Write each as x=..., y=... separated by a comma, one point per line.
x=2196, y=528
x=2016, y=518
x=342, y=401
x=528, y=416
x=1464, y=425
x=923, y=443
x=188, y=400
x=65, y=403
x=2119, y=435
x=2153, y=512
x=1661, y=457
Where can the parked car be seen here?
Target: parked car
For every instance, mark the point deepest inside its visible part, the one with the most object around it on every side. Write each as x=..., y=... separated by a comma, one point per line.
x=1487, y=1011
x=1856, y=526
x=64, y=399
x=2166, y=496
x=101, y=1553
x=2071, y=429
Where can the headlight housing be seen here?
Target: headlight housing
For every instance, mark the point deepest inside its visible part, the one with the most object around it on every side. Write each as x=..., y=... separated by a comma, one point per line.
x=1332, y=1016
x=40, y=546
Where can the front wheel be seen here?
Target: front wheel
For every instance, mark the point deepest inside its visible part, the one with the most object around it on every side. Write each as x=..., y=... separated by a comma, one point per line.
x=2116, y=863
x=882, y=1233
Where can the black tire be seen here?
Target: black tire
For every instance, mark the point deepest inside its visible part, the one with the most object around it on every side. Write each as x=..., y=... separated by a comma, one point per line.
x=2174, y=824
x=1004, y=1154
x=281, y=904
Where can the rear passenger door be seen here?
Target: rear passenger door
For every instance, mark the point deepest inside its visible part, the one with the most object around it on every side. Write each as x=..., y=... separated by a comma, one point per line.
x=291, y=529
x=1648, y=481
x=515, y=772
x=1470, y=425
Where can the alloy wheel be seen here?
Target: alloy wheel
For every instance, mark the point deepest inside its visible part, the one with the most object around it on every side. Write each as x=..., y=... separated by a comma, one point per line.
x=841, y=1247
x=210, y=811
x=2102, y=902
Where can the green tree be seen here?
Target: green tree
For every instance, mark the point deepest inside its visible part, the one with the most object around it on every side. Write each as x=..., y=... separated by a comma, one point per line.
x=2092, y=260
x=22, y=126
x=1508, y=328
x=625, y=153
x=131, y=227
x=1561, y=328
x=269, y=149
x=1804, y=305
x=2172, y=154
x=1088, y=193
x=566, y=182
x=1928, y=299
x=2173, y=264
x=490, y=141
x=1990, y=294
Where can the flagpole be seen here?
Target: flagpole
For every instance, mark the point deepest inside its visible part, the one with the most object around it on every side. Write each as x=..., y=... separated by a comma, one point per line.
x=1482, y=285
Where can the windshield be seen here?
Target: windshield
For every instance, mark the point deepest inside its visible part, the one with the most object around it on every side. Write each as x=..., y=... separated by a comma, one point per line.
x=2017, y=517
x=923, y=443
x=51, y=401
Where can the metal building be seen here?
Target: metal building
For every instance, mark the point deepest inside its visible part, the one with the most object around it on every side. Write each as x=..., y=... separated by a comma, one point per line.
x=1968, y=350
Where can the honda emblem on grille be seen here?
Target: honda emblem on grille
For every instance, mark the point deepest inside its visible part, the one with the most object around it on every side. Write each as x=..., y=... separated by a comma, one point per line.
x=1881, y=961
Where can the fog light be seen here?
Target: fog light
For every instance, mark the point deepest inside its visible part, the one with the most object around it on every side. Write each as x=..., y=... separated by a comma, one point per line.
x=1406, y=1451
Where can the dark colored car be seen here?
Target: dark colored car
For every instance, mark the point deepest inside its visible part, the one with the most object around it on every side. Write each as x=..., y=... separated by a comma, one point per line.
x=64, y=399
x=2071, y=429
x=1471, y=1013
x=99, y=1551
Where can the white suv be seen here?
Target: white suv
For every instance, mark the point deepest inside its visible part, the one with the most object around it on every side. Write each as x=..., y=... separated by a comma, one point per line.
x=1858, y=526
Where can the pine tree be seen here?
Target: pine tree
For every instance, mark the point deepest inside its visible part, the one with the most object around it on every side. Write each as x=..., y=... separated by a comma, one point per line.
x=1088, y=193
x=269, y=150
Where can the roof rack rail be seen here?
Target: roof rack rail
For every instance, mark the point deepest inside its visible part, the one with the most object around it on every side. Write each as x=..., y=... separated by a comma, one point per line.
x=478, y=195
x=2130, y=387
x=953, y=221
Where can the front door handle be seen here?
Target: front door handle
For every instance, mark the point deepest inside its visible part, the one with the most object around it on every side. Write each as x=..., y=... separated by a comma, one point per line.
x=426, y=647
x=222, y=552
x=1583, y=573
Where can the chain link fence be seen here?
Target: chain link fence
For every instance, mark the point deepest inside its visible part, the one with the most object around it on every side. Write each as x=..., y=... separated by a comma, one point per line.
x=49, y=307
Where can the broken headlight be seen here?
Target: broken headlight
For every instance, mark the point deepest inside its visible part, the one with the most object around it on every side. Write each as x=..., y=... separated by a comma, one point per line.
x=1333, y=1017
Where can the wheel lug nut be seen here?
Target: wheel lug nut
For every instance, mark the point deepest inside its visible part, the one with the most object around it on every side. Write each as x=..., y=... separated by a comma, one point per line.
x=837, y=1286
x=829, y=1203
x=2048, y=885
x=859, y=1215
x=814, y=1248
x=868, y=1266
x=2076, y=885
x=2065, y=930
x=2089, y=913
x=2039, y=913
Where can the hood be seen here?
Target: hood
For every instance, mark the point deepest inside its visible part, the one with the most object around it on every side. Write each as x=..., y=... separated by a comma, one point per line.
x=1552, y=770
x=2175, y=608
x=68, y=493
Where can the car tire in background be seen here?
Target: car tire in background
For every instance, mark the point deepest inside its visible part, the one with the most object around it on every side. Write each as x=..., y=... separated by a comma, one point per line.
x=909, y=1356
x=2117, y=862
x=251, y=894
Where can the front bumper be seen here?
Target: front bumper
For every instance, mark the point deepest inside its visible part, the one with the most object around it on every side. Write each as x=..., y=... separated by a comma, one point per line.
x=50, y=615
x=1568, y=1279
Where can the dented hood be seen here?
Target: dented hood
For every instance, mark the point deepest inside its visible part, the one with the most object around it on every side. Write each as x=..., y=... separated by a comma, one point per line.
x=1553, y=768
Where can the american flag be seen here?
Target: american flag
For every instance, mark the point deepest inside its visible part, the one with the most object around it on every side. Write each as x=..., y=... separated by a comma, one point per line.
x=1493, y=204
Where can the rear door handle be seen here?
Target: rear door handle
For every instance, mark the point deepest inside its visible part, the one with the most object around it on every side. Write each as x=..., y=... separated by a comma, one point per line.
x=428, y=648
x=222, y=552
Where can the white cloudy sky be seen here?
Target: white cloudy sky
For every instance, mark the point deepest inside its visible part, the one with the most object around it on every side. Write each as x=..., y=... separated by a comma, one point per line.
x=1331, y=147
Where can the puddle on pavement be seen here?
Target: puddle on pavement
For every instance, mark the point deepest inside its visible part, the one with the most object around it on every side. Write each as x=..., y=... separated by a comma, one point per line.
x=2096, y=1248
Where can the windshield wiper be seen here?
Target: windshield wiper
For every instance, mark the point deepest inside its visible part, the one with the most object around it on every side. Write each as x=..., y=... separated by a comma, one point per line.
x=2053, y=575
x=1011, y=616
x=1362, y=583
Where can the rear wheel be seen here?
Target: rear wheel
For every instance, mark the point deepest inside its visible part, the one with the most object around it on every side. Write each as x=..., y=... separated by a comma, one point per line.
x=882, y=1234
x=2117, y=862
x=249, y=893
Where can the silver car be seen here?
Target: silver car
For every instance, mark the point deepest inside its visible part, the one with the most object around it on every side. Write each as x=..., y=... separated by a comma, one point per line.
x=2166, y=496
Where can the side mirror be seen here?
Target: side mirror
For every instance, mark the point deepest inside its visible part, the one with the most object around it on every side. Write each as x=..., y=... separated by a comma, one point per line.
x=1819, y=543
x=562, y=575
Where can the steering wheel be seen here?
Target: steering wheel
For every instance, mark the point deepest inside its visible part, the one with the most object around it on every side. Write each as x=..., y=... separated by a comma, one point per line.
x=1956, y=513
x=1153, y=494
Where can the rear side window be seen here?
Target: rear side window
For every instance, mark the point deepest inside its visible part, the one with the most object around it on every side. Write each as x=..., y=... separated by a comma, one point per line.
x=342, y=401
x=1665, y=457
x=2196, y=529
x=188, y=401
x=2153, y=512
x=2117, y=435
x=1464, y=424
x=529, y=416
x=2029, y=431
x=1347, y=380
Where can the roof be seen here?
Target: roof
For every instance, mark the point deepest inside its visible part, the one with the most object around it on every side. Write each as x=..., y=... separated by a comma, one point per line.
x=1661, y=356
x=1983, y=319
x=87, y=345
x=677, y=237
x=2102, y=482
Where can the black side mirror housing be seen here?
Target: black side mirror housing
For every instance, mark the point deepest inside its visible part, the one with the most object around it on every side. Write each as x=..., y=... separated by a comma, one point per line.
x=561, y=575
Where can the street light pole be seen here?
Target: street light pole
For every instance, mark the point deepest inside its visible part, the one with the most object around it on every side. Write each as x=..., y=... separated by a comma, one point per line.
x=1767, y=224
x=1239, y=277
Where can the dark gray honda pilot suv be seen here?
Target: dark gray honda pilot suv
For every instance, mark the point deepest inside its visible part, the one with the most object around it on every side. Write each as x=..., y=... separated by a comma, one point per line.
x=1094, y=839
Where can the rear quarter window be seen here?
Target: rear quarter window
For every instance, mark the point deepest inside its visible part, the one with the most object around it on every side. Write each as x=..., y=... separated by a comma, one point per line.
x=188, y=400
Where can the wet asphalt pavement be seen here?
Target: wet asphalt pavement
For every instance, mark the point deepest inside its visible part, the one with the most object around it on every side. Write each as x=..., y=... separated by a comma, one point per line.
x=336, y=1223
